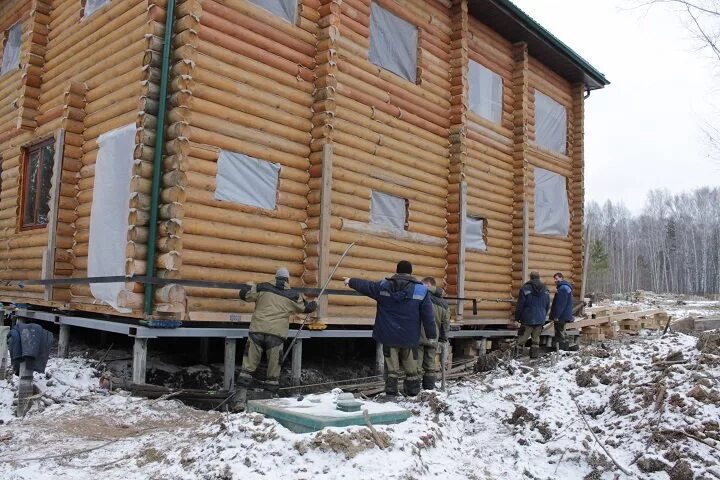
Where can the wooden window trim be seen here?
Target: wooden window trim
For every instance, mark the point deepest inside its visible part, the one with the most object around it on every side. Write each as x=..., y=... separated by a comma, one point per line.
x=37, y=147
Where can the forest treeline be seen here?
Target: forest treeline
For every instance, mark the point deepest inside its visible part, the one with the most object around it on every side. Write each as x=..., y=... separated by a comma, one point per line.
x=671, y=246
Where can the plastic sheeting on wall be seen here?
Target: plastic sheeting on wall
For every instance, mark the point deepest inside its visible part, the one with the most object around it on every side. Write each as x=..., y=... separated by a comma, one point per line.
x=388, y=210
x=393, y=43
x=475, y=233
x=550, y=123
x=11, y=53
x=91, y=6
x=246, y=180
x=485, y=92
x=109, y=212
x=286, y=9
x=552, y=212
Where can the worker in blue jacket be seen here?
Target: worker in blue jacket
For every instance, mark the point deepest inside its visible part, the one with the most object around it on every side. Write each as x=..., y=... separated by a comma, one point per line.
x=531, y=310
x=561, y=312
x=403, y=304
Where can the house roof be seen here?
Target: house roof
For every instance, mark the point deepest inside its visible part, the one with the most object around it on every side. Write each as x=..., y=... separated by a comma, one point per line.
x=517, y=26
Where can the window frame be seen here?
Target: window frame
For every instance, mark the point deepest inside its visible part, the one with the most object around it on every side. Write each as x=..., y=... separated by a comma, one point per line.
x=417, y=50
x=406, y=212
x=294, y=21
x=6, y=37
x=473, y=216
x=27, y=153
x=564, y=149
x=84, y=6
x=473, y=92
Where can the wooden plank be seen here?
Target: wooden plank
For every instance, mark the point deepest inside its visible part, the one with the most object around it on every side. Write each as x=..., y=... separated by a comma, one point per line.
x=48, y=265
x=325, y=225
x=459, y=309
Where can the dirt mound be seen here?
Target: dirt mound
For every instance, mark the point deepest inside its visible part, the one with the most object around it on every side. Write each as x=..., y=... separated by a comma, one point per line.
x=349, y=444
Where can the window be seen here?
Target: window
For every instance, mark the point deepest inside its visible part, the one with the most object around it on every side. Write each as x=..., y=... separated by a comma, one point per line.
x=246, y=180
x=388, y=210
x=11, y=50
x=552, y=212
x=286, y=9
x=475, y=233
x=393, y=43
x=485, y=92
x=37, y=173
x=550, y=123
x=92, y=6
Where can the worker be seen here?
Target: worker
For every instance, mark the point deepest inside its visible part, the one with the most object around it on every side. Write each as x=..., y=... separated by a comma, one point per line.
x=428, y=348
x=403, y=305
x=274, y=303
x=561, y=311
x=531, y=310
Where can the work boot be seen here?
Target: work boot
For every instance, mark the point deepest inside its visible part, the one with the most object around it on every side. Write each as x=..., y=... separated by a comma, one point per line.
x=412, y=387
x=271, y=385
x=535, y=351
x=573, y=348
x=244, y=380
x=428, y=382
x=391, y=386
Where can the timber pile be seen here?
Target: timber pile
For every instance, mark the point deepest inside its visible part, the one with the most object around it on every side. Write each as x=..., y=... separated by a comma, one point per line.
x=606, y=322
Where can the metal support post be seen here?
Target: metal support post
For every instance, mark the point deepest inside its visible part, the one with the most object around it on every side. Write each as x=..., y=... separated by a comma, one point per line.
x=64, y=341
x=25, y=389
x=296, y=362
x=229, y=366
x=139, y=360
x=3, y=351
x=204, y=350
x=379, y=359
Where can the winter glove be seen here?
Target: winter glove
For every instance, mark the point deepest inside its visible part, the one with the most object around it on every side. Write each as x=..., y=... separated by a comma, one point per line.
x=346, y=280
x=310, y=307
x=244, y=289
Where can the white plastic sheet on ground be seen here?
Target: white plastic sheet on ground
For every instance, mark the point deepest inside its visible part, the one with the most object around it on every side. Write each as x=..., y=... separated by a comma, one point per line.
x=550, y=123
x=11, y=52
x=109, y=212
x=474, y=233
x=552, y=212
x=485, y=92
x=246, y=180
x=91, y=6
x=393, y=43
x=286, y=9
x=388, y=210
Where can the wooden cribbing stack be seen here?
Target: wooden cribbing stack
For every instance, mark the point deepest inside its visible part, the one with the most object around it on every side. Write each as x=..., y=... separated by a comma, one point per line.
x=604, y=322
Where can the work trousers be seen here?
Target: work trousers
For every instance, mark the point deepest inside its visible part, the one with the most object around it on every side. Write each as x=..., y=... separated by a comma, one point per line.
x=560, y=334
x=531, y=330
x=257, y=343
x=399, y=360
x=426, y=360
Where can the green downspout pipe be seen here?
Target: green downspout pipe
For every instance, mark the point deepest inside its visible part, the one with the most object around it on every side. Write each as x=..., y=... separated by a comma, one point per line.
x=157, y=159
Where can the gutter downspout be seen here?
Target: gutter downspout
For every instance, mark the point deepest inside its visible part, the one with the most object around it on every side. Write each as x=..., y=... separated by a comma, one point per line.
x=157, y=159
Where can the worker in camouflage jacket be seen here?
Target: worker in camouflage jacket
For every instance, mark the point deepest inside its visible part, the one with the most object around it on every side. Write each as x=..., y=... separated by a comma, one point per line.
x=531, y=310
x=561, y=312
x=427, y=350
x=403, y=305
x=274, y=304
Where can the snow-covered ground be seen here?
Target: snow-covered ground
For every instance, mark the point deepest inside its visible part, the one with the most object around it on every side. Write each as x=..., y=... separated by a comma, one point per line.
x=655, y=410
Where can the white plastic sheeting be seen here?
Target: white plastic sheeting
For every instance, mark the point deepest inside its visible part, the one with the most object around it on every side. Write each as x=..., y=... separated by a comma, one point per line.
x=286, y=9
x=485, y=92
x=388, y=210
x=393, y=43
x=109, y=212
x=474, y=233
x=550, y=123
x=91, y=6
x=552, y=212
x=246, y=180
x=11, y=52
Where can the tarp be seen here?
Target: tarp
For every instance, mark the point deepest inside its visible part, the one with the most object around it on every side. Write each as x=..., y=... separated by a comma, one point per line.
x=552, y=212
x=388, y=210
x=393, y=43
x=109, y=212
x=550, y=123
x=485, y=92
x=286, y=9
x=474, y=235
x=246, y=180
x=11, y=53
x=91, y=6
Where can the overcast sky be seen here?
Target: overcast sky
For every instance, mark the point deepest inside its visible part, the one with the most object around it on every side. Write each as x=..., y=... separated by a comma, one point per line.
x=645, y=130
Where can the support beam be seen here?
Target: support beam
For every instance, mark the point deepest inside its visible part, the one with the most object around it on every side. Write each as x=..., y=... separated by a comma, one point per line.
x=3, y=350
x=325, y=218
x=139, y=360
x=229, y=365
x=25, y=389
x=296, y=362
x=64, y=341
x=459, y=309
x=379, y=359
x=204, y=350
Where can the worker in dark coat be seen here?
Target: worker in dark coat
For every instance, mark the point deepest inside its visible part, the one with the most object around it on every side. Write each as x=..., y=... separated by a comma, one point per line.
x=531, y=310
x=427, y=351
x=274, y=303
x=561, y=312
x=403, y=305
